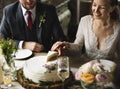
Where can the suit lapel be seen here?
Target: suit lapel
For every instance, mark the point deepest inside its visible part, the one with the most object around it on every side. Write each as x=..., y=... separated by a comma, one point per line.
x=20, y=19
x=39, y=12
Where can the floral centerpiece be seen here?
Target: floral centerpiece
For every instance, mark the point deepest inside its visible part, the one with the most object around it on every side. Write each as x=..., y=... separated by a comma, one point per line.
x=96, y=74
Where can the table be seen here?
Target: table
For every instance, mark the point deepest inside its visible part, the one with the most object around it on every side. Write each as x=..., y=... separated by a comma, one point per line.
x=75, y=63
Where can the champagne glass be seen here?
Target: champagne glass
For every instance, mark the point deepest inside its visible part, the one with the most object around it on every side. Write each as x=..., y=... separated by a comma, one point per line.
x=63, y=68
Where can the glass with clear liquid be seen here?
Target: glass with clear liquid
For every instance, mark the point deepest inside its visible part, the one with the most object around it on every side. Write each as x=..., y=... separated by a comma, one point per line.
x=63, y=68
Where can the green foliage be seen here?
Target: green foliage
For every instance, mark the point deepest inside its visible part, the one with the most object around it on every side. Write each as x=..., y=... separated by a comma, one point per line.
x=8, y=48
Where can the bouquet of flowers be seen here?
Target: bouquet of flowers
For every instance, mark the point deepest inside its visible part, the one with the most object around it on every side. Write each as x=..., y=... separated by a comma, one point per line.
x=96, y=74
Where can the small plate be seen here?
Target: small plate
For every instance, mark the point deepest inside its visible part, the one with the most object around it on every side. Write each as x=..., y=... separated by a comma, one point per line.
x=23, y=54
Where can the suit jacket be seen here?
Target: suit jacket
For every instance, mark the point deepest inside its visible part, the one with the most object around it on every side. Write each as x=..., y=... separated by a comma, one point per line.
x=13, y=25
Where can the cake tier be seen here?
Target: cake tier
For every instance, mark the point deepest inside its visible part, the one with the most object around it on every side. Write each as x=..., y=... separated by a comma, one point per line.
x=38, y=69
x=27, y=84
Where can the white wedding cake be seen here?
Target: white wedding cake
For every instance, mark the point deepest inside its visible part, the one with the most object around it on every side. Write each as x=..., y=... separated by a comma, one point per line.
x=40, y=69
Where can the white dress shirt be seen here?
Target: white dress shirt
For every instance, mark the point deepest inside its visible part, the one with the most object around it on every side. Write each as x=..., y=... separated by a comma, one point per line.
x=33, y=15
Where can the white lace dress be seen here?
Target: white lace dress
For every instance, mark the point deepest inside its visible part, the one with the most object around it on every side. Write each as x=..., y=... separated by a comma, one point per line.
x=110, y=48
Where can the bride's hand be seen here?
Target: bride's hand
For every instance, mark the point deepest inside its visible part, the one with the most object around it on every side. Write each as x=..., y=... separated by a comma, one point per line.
x=60, y=47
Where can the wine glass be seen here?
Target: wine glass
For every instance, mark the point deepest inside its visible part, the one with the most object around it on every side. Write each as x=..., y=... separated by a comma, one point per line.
x=63, y=68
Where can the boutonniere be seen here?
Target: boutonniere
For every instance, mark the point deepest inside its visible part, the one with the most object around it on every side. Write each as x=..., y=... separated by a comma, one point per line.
x=42, y=19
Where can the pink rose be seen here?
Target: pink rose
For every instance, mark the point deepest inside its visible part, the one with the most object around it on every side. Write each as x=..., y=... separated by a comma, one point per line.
x=103, y=77
x=78, y=75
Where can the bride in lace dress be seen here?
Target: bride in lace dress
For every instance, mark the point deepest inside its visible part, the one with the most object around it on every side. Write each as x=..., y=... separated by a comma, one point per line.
x=98, y=33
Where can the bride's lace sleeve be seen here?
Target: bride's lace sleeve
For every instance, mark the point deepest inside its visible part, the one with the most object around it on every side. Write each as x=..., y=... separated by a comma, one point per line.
x=76, y=47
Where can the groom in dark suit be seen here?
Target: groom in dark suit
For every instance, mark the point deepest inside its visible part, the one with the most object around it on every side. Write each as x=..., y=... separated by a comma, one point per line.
x=32, y=24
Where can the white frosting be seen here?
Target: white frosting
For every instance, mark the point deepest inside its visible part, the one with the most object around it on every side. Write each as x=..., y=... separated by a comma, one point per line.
x=34, y=69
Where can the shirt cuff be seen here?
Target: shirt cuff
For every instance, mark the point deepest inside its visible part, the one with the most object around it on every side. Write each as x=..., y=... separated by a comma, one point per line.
x=20, y=44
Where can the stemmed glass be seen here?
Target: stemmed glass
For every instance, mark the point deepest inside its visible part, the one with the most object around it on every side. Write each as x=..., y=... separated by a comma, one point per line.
x=63, y=68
